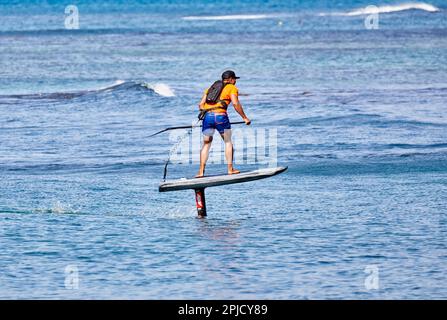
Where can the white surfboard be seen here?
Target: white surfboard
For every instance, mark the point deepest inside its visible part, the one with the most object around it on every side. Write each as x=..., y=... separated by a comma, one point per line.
x=219, y=180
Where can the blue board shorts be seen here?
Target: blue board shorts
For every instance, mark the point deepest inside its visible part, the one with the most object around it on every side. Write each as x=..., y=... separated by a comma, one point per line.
x=217, y=121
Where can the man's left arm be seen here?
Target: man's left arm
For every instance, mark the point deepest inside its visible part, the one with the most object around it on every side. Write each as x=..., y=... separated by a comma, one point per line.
x=202, y=102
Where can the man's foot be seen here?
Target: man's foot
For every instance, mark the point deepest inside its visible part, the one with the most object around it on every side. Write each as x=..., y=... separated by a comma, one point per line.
x=200, y=174
x=234, y=171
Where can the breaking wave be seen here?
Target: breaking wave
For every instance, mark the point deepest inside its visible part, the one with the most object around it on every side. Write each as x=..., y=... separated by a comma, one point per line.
x=387, y=9
x=160, y=89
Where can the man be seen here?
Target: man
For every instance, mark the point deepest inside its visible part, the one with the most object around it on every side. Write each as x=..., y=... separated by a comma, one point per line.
x=216, y=117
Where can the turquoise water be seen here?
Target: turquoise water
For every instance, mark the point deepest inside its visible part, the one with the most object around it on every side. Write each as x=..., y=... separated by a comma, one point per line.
x=360, y=120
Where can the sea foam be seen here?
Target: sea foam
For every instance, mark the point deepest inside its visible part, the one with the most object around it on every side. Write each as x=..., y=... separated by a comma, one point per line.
x=386, y=9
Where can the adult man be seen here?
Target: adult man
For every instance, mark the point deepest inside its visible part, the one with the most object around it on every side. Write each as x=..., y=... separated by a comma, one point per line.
x=216, y=117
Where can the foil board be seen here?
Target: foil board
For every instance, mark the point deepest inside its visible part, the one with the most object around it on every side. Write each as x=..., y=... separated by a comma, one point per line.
x=218, y=180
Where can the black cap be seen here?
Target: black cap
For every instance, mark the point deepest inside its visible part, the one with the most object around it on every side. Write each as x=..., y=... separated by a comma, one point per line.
x=229, y=74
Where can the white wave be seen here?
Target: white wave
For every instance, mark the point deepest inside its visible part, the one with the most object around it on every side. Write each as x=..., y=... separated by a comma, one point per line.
x=161, y=89
x=229, y=17
x=116, y=84
x=58, y=208
x=387, y=9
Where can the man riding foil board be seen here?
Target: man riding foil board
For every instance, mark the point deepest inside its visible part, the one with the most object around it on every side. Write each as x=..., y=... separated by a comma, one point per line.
x=213, y=110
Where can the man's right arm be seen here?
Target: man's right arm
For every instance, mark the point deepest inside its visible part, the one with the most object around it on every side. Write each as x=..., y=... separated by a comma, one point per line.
x=238, y=107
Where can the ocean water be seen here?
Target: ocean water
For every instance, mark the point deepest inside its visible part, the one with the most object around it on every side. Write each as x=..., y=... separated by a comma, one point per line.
x=361, y=123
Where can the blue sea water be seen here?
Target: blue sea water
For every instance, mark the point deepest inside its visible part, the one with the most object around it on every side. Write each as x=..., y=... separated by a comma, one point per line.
x=361, y=123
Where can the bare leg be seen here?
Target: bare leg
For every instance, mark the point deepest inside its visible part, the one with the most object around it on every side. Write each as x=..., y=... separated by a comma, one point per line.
x=229, y=151
x=204, y=154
